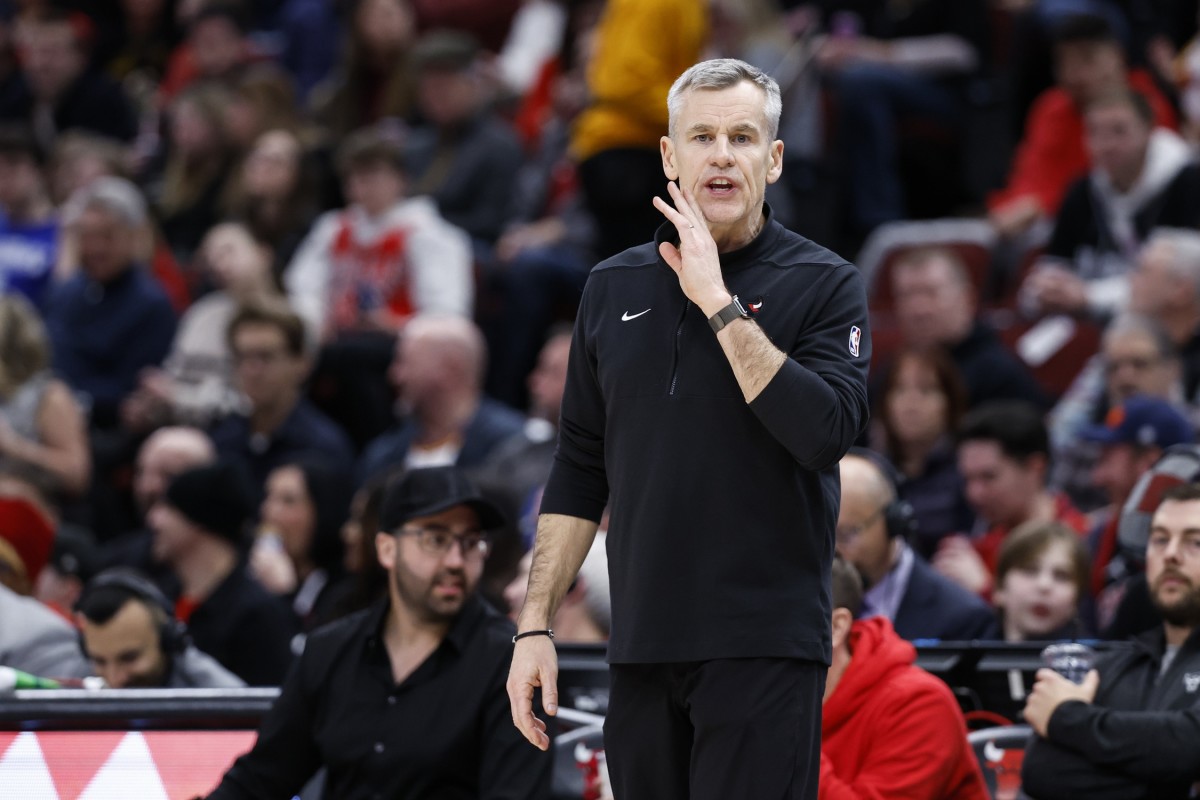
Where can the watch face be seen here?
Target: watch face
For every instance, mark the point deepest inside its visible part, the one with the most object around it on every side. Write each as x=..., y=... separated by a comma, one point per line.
x=742, y=312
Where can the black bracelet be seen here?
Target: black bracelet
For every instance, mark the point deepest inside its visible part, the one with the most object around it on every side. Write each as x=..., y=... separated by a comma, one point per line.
x=546, y=632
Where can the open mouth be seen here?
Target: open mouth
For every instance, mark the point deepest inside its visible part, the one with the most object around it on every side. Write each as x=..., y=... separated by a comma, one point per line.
x=720, y=186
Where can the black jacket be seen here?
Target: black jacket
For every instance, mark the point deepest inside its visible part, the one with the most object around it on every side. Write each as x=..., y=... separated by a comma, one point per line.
x=723, y=512
x=934, y=607
x=1139, y=739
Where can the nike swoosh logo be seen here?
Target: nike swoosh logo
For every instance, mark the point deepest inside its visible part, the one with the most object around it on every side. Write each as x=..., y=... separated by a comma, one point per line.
x=627, y=316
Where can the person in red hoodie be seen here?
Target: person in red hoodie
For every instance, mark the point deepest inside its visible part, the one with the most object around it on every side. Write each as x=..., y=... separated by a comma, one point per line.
x=889, y=729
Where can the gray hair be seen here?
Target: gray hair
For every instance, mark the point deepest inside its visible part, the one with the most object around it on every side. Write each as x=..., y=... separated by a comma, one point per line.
x=117, y=196
x=1138, y=324
x=723, y=73
x=594, y=572
x=1183, y=246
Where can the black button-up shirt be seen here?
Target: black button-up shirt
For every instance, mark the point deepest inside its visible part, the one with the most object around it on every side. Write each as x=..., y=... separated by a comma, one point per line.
x=445, y=732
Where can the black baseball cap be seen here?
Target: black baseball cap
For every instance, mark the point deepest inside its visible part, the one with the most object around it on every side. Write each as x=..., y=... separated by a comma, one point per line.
x=425, y=492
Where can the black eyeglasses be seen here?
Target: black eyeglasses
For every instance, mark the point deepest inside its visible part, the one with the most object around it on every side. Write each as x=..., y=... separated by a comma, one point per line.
x=437, y=541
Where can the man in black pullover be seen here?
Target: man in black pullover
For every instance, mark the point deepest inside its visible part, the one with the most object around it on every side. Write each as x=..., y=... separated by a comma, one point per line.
x=716, y=378
x=1131, y=730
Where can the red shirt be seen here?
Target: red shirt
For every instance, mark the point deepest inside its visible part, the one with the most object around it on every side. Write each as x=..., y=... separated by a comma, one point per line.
x=988, y=545
x=891, y=729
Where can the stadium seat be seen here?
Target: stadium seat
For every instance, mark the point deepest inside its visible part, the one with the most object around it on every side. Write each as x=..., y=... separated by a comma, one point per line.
x=1000, y=751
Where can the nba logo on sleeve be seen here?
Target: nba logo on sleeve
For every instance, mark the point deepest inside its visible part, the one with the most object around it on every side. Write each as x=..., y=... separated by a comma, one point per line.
x=855, y=338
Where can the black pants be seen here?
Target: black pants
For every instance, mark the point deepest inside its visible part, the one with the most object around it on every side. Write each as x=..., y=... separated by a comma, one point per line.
x=715, y=730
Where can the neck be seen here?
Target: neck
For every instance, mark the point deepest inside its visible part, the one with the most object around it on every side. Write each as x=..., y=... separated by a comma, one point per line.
x=1011, y=632
x=447, y=418
x=267, y=418
x=1040, y=509
x=735, y=240
x=916, y=453
x=403, y=630
x=1176, y=635
x=205, y=567
x=1180, y=323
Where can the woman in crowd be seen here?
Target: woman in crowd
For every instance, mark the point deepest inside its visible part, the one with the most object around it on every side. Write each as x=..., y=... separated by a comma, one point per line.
x=42, y=427
x=1041, y=580
x=358, y=538
x=274, y=194
x=920, y=406
x=196, y=384
x=298, y=553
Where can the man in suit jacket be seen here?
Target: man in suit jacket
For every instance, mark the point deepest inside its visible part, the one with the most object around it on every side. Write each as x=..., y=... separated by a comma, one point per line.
x=872, y=531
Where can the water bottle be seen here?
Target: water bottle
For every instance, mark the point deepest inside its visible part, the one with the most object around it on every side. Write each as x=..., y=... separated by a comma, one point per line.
x=13, y=679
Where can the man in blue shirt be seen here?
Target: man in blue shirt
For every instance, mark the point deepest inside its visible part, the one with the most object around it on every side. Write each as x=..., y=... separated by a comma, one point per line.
x=29, y=227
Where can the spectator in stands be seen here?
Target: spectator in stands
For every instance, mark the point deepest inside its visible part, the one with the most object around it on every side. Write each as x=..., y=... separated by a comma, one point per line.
x=1041, y=583
x=29, y=226
x=888, y=728
x=112, y=319
x=197, y=165
x=140, y=41
x=919, y=408
x=196, y=385
x=886, y=63
x=261, y=99
x=163, y=456
x=26, y=534
x=1142, y=177
x=873, y=532
x=936, y=305
x=423, y=670
x=313, y=37
x=129, y=634
x=216, y=48
x=273, y=194
x=641, y=47
x=1004, y=457
x=1132, y=438
x=55, y=91
x=374, y=79
x=1090, y=62
x=74, y=559
x=1136, y=358
x=200, y=533
x=267, y=342
x=465, y=156
x=369, y=578
x=298, y=552
x=42, y=427
x=372, y=265
x=1165, y=285
x=519, y=466
x=36, y=640
x=585, y=614
x=80, y=157
x=1132, y=728
x=438, y=375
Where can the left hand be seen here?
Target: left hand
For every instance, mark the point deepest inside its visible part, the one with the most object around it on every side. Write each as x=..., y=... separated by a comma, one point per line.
x=695, y=260
x=1050, y=691
x=957, y=559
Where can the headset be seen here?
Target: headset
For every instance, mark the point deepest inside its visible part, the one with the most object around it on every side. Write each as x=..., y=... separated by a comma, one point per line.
x=899, y=518
x=172, y=633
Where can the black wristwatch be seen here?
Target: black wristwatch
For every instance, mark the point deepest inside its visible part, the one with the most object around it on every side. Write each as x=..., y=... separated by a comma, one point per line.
x=728, y=314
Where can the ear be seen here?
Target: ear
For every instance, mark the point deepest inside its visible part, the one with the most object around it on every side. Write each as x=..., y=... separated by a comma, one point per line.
x=776, y=168
x=666, y=146
x=385, y=549
x=842, y=621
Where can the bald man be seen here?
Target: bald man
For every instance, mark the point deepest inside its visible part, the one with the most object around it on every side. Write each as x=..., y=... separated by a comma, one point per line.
x=166, y=453
x=438, y=376
x=872, y=530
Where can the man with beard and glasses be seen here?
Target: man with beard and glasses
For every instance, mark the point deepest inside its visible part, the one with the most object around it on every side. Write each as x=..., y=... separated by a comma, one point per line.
x=405, y=698
x=1132, y=728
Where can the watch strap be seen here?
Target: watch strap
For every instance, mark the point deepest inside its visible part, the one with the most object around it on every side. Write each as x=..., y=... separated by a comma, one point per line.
x=727, y=315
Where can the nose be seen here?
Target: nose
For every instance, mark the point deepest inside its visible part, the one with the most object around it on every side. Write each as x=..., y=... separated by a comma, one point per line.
x=722, y=156
x=456, y=555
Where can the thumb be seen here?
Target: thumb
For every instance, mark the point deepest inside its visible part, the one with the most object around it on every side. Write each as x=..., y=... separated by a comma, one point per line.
x=1091, y=681
x=670, y=254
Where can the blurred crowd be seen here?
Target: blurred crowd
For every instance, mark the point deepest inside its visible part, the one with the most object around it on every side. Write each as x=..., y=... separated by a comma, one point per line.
x=258, y=257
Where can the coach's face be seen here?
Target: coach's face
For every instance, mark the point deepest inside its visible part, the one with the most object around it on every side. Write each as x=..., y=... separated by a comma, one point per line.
x=721, y=152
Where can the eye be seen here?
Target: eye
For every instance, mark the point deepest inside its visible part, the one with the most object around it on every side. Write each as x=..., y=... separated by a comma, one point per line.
x=741, y=138
x=702, y=137
x=439, y=539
